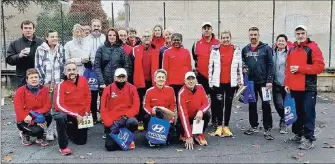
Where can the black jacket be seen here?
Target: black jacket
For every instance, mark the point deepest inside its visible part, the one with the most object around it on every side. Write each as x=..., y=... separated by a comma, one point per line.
x=108, y=59
x=259, y=63
x=24, y=63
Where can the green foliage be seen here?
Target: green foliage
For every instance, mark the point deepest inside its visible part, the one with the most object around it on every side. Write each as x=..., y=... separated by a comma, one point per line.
x=22, y=5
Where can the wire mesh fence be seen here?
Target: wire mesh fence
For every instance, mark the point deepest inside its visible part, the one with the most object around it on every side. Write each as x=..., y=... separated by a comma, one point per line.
x=186, y=17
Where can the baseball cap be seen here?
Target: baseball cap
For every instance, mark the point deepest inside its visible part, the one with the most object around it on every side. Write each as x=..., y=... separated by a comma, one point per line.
x=301, y=27
x=120, y=71
x=188, y=74
x=206, y=23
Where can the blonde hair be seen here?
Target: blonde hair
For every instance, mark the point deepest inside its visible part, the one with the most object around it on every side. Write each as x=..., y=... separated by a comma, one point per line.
x=226, y=32
x=77, y=27
x=169, y=30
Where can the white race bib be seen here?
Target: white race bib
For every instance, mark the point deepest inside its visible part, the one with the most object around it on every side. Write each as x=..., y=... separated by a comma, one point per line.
x=87, y=122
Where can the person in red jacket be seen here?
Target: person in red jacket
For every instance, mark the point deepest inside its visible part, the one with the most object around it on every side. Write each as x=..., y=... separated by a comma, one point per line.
x=119, y=101
x=201, y=51
x=304, y=62
x=29, y=98
x=176, y=61
x=123, y=34
x=193, y=105
x=72, y=101
x=145, y=59
x=159, y=96
x=158, y=39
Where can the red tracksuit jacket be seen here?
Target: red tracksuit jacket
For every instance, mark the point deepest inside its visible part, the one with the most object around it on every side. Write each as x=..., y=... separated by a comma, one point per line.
x=73, y=98
x=158, y=42
x=25, y=101
x=127, y=48
x=201, y=52
x=189, y=104
x=138, y=51
x=159, y=97
x=176, y=61
x=308, y=57
x=115, y=103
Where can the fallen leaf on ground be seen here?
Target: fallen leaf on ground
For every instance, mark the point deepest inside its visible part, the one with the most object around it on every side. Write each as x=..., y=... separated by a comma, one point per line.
x=306, y=162
x=8, y=158
x=235, y=112
x=82, y=157
x=150, y=162
x=8, y=123
x=300, y=155
x=89, y=153
x=199, y=149
x=179, y=150
x=327, y=145
x=323, y=126
x=238, y=106
x=324, y=112
x=256, y=146
x=325, y=99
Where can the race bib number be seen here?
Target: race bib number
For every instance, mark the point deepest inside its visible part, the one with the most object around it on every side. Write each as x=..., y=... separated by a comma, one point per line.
x=87, y=122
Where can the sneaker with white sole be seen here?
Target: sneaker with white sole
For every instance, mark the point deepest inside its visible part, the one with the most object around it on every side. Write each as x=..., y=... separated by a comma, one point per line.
x=42, y=142
x=25, y=139
x=50, y=135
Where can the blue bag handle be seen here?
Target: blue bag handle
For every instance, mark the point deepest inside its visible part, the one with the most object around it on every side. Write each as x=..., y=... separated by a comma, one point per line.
x=288, y=96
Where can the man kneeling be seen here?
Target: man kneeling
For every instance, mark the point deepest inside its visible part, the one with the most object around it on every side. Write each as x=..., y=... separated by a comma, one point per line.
x=72, y=101
x=193, y=105
x=119, y=104
x=32, y=105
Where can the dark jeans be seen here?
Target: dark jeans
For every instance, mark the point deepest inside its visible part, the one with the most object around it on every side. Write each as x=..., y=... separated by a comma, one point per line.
x=172, y=136
x=110, y=144
x=34, y=130
x=94, y=105
x=279, y=94
x=176, y=89
x=266, y=109
x=141, y=94
x=223, y=99
x=204, y=82
x=305, y=102
x=67, y=128
x=180, y=128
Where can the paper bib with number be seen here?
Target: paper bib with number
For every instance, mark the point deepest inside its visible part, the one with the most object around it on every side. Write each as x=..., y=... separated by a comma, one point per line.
x=87, y=122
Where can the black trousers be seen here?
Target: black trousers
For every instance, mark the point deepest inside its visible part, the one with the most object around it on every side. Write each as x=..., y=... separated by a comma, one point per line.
x=141, y=94
x=20, y=81
x=34, y=130
x=176, y=89
x=204, y=82
x=110, y=144
x=223, y=99
x=94, y=105
x=279, y=94
x=180, y=129
x=253, y=115
x=305, y=102
x=67, y=128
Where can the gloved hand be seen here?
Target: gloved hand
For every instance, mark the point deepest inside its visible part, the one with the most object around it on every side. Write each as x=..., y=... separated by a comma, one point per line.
x=122, y=122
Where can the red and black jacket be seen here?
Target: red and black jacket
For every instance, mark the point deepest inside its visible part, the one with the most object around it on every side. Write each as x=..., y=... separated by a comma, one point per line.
x=308, y=57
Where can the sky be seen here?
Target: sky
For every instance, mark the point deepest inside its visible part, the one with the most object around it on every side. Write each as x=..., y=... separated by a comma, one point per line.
x=107, y=6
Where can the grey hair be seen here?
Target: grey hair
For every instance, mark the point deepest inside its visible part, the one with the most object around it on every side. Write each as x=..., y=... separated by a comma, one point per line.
x=70, y=61
x=76, y=27
x=177, y=35
x=160, y=71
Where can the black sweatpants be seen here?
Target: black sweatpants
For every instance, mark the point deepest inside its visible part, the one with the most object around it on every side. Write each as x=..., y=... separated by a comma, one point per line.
x=176, y=89
x=110, y=144
x=94, y=105
x=180, y=128
x=279, y=94
x=253, y=115
x=67, y=128
x=34, y=130
x=141, y=94
x=223, y=99
x=204, y=82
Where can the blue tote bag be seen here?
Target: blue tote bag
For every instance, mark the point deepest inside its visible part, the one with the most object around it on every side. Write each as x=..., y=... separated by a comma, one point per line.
x=92, y=79
x=123, y=138
x=158, y=130
x=290, y=110
x=248, y=94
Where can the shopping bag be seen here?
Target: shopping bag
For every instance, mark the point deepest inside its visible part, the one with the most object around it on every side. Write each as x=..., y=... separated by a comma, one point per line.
x=290, y=110
x=92, y=79
x=158, y=130
x=123, y=138
x=248, y=94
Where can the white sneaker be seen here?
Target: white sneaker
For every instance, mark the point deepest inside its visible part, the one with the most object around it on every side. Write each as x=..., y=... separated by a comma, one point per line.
x=50, y=134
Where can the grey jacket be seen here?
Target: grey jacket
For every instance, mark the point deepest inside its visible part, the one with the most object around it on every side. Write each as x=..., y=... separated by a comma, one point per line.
x=279, y=61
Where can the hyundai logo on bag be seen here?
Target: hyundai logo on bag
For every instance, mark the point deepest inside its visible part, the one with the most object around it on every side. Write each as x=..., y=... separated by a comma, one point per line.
x=92, y=81
x=158, y=128
x=287, y=110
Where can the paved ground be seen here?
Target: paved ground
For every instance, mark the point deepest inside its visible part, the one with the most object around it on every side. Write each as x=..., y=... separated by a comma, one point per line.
x=240, y=149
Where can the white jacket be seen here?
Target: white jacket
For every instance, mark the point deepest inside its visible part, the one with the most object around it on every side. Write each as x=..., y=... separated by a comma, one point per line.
x=214, y=67
x=77, y=52
x=95, y=43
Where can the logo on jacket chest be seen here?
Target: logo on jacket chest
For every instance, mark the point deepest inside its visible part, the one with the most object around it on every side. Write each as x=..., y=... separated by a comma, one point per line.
x=113, y=95
x=254, y=54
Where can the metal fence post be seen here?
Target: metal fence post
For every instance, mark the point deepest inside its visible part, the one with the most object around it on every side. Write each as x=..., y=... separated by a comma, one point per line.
x=3, y=33
x=127, y=13
x=164, y=15
x=219, y=18
x=62, y=18
x=273, y=20
x=113, y=14
x=330, y=32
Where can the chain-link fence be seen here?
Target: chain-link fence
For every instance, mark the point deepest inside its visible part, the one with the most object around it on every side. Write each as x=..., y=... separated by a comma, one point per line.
x=186, y=17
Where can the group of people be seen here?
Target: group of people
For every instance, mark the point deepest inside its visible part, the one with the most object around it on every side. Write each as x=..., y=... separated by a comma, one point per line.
x=140, y=77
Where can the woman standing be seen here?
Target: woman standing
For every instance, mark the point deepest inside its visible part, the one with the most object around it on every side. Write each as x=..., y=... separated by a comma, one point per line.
x=225, y=73
x=279, y=60
x=167, y=33
x=177, y=62
x=49, y=62
x=78, y=49
x=158, y=39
